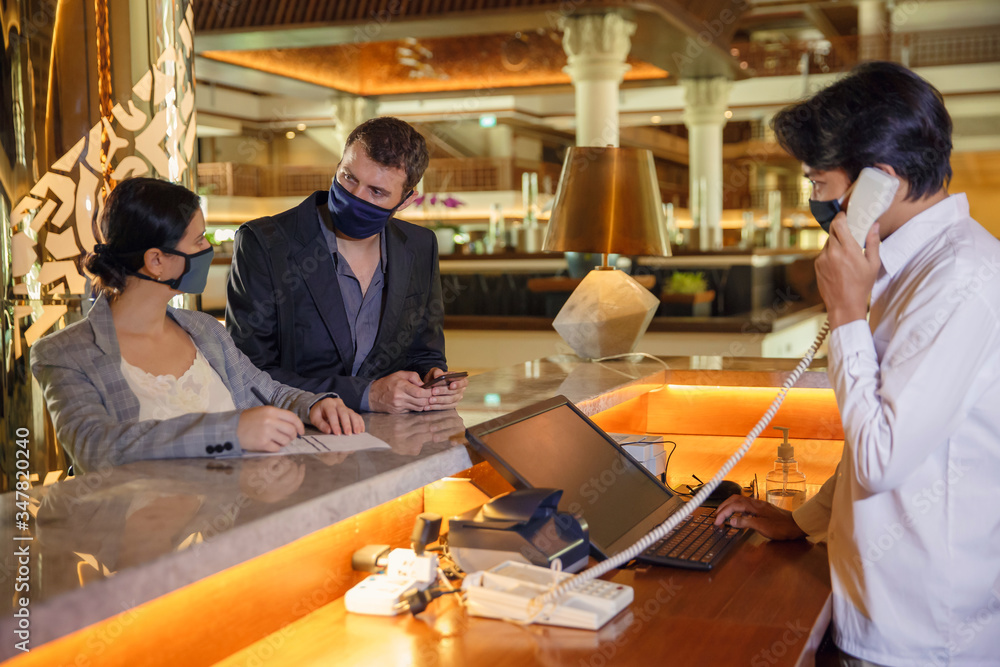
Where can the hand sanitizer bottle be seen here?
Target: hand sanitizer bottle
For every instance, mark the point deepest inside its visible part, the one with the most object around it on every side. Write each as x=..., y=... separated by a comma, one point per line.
x=786, y=486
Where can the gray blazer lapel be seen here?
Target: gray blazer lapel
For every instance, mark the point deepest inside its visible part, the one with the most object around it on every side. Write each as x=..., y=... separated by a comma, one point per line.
x=120, y=399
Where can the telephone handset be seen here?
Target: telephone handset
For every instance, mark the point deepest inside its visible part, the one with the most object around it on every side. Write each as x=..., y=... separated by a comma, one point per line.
x=871, y=197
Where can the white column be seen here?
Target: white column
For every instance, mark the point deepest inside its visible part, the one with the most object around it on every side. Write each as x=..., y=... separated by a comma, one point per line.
x=873, y=17
x=596, y=47
x=349, y=111
x=873, y=29
x=704, y=115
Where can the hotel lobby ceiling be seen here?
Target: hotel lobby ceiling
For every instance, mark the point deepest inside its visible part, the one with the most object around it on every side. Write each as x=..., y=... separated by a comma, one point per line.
x=270, y=64
x=450, y=45
x=233, y=15
x=435, y=65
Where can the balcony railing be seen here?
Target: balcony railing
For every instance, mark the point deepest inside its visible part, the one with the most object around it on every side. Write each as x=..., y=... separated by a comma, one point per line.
x=791, y=197
x=486, y=174
x=248, y=180
x=442, y=175
x=838, y=54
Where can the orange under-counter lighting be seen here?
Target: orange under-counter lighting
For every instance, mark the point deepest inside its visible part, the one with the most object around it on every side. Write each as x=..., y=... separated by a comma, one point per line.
x=725, y=411
x=211, y=619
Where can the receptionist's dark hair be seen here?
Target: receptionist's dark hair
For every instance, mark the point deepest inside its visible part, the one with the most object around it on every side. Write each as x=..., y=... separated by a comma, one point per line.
x=881, y=112
x=139, y=214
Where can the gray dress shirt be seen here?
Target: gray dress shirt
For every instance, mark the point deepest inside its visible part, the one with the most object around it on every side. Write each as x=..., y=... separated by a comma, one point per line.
x=364, y=310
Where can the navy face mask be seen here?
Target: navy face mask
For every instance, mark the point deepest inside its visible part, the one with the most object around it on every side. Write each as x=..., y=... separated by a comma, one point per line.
x=824, y=211
x=355, y=217
x=195, y=275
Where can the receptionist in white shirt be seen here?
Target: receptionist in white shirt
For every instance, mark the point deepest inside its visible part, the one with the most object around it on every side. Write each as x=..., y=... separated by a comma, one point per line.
x=911, y=516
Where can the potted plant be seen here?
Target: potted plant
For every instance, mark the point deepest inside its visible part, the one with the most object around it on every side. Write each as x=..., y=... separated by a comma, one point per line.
x=687, y=294
x=444, y=231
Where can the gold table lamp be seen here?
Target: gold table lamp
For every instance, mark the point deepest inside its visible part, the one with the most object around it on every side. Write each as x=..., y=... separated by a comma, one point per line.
x=608, y=201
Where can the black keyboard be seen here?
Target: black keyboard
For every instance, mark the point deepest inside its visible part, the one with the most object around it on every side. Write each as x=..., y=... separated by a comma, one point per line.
x=695, y=544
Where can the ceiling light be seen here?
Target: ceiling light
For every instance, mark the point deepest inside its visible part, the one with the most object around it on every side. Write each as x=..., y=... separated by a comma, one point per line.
x=290, y=134
x=301, y=127
x=487, y=120
x=655, y=119
x=728, y=114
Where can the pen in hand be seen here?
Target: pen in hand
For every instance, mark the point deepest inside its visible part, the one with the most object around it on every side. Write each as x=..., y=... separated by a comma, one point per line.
x=260, y=397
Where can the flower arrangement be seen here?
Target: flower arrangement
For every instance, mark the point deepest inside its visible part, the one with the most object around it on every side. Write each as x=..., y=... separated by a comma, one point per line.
x=447, y=234
x=434, y=199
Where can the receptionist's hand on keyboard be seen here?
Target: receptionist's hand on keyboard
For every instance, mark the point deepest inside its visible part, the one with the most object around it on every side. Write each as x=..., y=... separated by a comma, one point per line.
x=765, y=518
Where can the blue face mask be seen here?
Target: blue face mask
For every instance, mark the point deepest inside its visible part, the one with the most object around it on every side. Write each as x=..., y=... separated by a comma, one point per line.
x=195, y=275
x=355, y=217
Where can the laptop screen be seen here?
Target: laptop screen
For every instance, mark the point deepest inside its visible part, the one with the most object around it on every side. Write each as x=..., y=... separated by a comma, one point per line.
x=553, y=445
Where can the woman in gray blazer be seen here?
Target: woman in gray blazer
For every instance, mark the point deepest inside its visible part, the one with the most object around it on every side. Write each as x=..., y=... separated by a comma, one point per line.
x=138, y=379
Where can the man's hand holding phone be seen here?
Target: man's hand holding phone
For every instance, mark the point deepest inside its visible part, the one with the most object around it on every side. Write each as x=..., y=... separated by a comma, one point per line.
x=845, y=275
x=447, y=388
x=444, y=378
x=406, y=391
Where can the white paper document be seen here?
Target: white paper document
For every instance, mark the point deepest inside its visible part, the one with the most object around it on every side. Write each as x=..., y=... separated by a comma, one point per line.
x=314, y=442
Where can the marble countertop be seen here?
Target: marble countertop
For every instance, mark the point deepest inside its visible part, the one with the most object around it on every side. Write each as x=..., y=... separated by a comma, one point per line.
x=112, y=539
x=764, y=321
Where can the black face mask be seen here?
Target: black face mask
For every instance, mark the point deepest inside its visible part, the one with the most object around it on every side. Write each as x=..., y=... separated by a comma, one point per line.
x=825, y=211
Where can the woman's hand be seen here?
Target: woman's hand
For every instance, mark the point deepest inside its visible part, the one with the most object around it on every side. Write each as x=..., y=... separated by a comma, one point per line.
x=267, y=428
x=330, y=415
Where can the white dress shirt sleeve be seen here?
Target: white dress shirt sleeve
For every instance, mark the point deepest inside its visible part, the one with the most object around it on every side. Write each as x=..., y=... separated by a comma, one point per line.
x=813, y=517
x=895, y=413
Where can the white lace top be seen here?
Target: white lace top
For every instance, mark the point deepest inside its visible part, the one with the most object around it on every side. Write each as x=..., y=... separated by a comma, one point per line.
x=199, y=389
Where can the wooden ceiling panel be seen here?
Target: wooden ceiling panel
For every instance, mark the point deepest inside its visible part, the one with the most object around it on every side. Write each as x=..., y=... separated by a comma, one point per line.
x=234, y=14
x=397, y=67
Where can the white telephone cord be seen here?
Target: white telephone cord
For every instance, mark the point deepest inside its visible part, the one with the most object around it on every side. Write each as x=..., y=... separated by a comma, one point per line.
x=671, y=523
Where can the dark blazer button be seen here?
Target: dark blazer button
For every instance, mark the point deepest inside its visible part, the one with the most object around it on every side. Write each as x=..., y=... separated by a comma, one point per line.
x=228, y=446
x=210, y=449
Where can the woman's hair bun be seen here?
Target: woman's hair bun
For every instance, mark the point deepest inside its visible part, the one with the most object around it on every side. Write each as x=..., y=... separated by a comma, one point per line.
x=108, y=272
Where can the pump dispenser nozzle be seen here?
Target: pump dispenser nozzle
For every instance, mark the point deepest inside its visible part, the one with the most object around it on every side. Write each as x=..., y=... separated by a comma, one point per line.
x=786, y=486
x=785, y=450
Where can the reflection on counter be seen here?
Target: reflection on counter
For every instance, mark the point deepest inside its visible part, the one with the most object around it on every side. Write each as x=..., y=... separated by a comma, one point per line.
x=117, y=540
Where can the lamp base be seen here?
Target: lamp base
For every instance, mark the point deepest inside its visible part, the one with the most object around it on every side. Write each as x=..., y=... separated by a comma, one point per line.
x=605, y=315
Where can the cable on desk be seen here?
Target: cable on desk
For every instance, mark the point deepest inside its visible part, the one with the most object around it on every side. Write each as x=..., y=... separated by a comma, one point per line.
x=677, y=517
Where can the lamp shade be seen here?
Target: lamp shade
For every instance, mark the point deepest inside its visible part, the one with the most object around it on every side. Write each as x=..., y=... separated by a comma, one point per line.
x=608, y=201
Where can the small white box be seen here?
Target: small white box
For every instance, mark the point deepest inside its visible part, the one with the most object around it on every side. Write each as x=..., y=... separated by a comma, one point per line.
x=657, y=465
x=649, y=450
x=379, y=595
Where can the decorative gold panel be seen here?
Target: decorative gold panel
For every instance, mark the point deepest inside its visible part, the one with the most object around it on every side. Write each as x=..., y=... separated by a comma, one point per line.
x=99, y=91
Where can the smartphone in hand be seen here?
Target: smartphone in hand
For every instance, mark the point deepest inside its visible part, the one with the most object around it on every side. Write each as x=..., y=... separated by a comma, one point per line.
x=444, y=379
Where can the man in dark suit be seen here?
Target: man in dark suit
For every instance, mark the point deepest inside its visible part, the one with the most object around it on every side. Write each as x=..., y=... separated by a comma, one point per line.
x=336, y=295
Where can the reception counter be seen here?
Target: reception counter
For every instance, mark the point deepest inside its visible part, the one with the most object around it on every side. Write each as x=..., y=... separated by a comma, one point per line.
x=193, y=561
